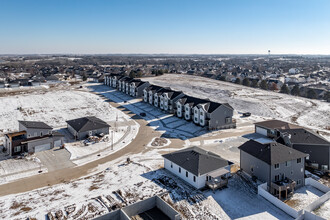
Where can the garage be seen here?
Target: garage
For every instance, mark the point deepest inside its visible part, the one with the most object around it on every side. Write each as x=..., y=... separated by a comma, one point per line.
x=262, y=131
x=42, y=147
x=57, y=143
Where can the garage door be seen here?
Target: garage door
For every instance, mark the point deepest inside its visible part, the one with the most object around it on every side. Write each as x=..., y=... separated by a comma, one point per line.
x=42, y=147
x=57, y=143
x=261, y=131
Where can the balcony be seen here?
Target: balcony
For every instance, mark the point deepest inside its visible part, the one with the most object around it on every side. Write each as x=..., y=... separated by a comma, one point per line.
x=283, y=188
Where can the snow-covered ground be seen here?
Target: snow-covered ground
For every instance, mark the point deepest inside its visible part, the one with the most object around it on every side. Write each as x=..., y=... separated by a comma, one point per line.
x=323, y=210
x=263, y=104
x=12, y=169
x=304, y=196
x=144, y=177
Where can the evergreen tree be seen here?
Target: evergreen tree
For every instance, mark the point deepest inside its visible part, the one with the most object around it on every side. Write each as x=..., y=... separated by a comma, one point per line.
x=254, y=83
x=246, y=82
x=263, y=85
x=285, y=89
x=295, y=90
x=238, y=81
x=311, y=94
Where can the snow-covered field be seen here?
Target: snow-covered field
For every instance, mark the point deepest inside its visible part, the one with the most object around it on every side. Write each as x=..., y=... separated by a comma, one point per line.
x=54, y=107
x=265, y=104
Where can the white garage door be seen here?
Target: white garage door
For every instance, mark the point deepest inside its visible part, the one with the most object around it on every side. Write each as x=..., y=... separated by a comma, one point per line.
x=42, y=147
x=261, y=131
x=57, y=143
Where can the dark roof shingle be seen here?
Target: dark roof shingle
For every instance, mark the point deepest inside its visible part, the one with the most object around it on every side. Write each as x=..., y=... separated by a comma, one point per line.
x=35, y=124
x=271, y=153
x=197, y=161
x=87, y=124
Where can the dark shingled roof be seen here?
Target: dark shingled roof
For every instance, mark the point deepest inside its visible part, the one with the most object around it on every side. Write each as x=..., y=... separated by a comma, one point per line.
x=35, y=124
x=192, y=100
x=87, y=124
x=153, y=88
x=171, y=95
x=304, y=136
x=271, y=153
x=197, y=161
x=276, y=124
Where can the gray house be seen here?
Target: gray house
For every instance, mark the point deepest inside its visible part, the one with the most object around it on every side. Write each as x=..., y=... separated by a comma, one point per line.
x=299, y=138
x=33, y=136
x=81, y=128
x=148, y=93
x=168, y=99
x=308, y=142
x=136, y=87
x=280, y=166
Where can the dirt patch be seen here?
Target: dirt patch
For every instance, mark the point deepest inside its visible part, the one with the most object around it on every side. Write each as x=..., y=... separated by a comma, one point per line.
x=157, y=142
x=16, y=205
x=93, y=187
x=291, y=202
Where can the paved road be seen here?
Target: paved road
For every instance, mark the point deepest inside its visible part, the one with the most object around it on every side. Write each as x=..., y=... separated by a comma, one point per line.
x=55, y=159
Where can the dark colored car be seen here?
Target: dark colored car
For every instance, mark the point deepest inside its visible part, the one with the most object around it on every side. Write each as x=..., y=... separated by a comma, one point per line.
x=143, y=114
x=246, y=114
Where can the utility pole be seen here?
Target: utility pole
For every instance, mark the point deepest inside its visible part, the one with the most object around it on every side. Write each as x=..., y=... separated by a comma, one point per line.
x=113, y=135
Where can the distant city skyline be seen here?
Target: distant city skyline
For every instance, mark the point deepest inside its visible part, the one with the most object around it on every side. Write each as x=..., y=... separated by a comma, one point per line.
x=165, y=27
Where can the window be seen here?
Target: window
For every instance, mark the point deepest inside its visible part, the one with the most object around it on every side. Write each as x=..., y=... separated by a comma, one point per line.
x=194, y=178
x=179, y=169
x=171, y=165
x=49, y=132
x=201, y=113
x=288, y=163
x=228, y=120
x=17, y=149
x=40, y=133
x=252, y=169
x=186, y=173
x=206, y=178
x=299, y=182
x=202, y=121
x=291, y=172
x=277, y=166
x=90, y=132
x=299, y=160
x=277, y=177
x=195, y=111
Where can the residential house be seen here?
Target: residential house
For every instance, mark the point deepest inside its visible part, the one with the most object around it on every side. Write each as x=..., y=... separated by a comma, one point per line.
x=280, y=166
x=168, y=100
x=137, y=87
x=186, y=104
x=33, y=136
x=81, y=128
x=299, y=138
x=310, y=143
x=148, y=93
x=198, y=167
x=158, y=94
x=214, y=115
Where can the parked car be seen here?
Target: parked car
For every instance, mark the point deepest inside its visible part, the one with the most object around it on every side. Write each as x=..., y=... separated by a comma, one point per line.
x=246, y=114
x=143, y=114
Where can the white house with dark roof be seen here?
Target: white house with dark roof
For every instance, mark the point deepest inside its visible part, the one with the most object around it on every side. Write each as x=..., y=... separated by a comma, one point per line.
x=136, y=87
x=198, y=167
x=168, y=99
x=81, y=128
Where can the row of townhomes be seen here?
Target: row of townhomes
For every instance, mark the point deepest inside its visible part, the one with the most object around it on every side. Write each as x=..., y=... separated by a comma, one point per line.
x=36, y=136
x=202, y=112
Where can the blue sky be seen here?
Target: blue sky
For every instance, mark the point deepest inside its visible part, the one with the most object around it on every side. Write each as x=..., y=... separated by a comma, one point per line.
x=159, y=26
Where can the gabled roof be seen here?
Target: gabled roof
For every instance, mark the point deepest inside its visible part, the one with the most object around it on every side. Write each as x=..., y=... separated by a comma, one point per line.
x=153, y=88
x=192, y=101
x=35, y=124
x=87, y=124
x=172, y=94
x=276, y=124
x=197, y=161
x=271, y=153
x=304, y=136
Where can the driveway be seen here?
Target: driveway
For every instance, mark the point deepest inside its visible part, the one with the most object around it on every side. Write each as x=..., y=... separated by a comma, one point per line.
x=55, y=159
